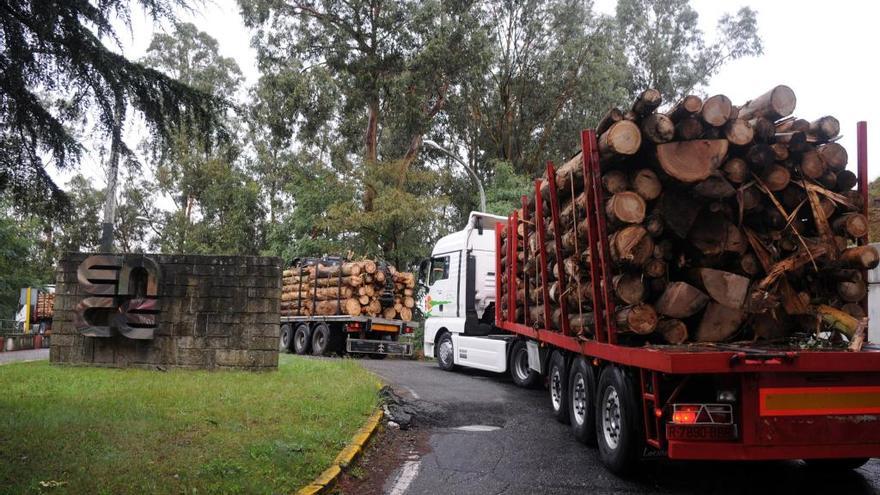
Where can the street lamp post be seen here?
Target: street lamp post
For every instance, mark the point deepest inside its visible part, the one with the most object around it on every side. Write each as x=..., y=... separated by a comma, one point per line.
x=431, y=144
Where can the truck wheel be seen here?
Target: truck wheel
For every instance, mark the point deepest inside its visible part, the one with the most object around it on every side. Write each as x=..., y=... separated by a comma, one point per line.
x=836, y=465
x=581, y=394
x=445, y=352
x=286, y=338
x=302, y=339
x=558, y=378
x=522, y=375
x=618, y=419
x=320, y=339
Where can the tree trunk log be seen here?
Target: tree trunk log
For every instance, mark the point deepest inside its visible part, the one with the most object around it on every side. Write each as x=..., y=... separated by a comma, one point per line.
x=688, y=129
x=681, y=300
x=716, y=110
x=739, y=132
x=672, y=330
x=640, y=319
x=626, y=207
x=773, y=105
x=658, y=128
x=646, y=184
x=719, y=323
x=691, y=161
x=688, y=106
x=631, y=245
x=647, y=102
x=629, y=288
x=621, y=139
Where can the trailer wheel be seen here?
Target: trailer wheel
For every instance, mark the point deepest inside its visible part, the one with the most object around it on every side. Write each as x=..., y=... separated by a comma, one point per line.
x=302, y=339
x=836, y=465
x=557, y=376
x=320, y=339
x=522, y=375
x=581, y=394
x=445, y=352
x=286, y=338
x=618, y=419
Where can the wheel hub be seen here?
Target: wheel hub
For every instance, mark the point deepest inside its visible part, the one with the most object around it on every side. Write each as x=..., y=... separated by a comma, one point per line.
x=611, y=418
x=522, y=365
x=579, y=398
x=445, y=351
x=556, y=389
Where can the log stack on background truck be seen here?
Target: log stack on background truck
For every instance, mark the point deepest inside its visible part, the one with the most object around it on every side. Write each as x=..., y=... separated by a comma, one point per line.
x=334, y=305
x=692, y=284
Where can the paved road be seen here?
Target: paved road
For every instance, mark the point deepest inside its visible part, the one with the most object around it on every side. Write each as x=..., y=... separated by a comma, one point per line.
x=532, y=453
x=26, y=355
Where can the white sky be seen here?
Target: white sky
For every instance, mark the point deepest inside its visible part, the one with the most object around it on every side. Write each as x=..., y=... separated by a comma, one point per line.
x=825, y=51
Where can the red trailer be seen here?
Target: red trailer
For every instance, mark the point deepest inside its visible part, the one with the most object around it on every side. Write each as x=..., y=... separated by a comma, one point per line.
x=718, y=402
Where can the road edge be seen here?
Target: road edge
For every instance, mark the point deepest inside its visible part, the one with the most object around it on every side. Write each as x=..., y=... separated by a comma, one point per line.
x=327, y=479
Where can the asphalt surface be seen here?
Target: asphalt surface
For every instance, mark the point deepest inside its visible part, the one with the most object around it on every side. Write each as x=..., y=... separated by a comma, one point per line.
x=530, y=452
x=26, y=355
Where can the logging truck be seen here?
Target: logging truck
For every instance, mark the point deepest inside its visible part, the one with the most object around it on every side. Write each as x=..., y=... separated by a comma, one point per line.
x=332, y=306
x=688, y=359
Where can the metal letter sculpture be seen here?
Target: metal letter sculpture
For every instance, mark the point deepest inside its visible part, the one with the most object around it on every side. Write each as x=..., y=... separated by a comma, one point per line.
x=123, y=296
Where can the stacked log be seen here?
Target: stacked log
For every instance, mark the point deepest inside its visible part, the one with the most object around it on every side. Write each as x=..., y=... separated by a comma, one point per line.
x=354, y=288
x=723, y=222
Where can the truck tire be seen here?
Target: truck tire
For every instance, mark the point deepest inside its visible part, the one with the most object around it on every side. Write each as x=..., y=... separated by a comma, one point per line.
x=518, y=364
x=581, y=396
x=302, y=339
x=618, y=420
x=320, y=339
x=286, y=338
x=445, y=352
x=557, y=376
x=836, y=465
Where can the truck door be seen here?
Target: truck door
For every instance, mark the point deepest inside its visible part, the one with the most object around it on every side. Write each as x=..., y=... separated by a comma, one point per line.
x=443, y=283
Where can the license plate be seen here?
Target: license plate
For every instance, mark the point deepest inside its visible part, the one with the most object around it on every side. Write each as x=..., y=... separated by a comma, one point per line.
x=701, y=432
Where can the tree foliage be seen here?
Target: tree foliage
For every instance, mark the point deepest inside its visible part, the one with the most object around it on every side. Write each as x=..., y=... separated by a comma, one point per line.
x=56, y=72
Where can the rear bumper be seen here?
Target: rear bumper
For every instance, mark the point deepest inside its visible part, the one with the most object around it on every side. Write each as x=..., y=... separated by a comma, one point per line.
x=738, y=452
x=390, y=348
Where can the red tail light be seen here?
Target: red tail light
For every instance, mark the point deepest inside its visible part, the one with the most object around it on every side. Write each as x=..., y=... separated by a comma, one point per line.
x=685, y=414
x=407, y=329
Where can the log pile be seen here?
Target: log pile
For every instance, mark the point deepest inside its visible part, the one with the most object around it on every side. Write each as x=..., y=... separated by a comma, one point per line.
x=723, y=222
x=354, y=288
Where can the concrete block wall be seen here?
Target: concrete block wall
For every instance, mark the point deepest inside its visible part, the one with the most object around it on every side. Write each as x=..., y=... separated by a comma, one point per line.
x=214, y=312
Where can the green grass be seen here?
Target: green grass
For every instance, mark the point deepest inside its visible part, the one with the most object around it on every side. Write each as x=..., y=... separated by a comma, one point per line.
x=94, y=430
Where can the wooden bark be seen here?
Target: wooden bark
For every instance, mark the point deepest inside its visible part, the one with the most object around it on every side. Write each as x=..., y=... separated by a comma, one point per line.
x=846, y=180
x=760, y=156
x=728, y=289
x=853, y=225
x=763, y=130
x=691, y=161
x=611, y=116
x=647, y=102
x=852, y=290
x=351, y=281
x=688, y=129
x=719, y=323
x=640, y=319
x=812, y=165
x=792, y=124
x=736, y=170
x=780, y=152
x=621, y=139
x=825, y=128
x=688, y=106
x=837, y=320
x=834, y=156
x=631, y=245
x=716, y=110
x=626, y=207
x=739, y=132
x=646, y=184
x=335, y=270
x=658, y=128
x=715, y=187
x=681, y=300
x=865, y=257
x=773, y=105
x=615, y=181
x=629, y=288
x=672, y=330
x=776, y=178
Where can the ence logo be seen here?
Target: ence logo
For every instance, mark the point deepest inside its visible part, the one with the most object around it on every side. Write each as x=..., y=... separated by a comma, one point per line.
x=123, y=291
x=429, y=303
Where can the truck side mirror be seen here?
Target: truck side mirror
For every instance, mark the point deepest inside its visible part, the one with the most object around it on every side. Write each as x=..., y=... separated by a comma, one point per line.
x=424, y=266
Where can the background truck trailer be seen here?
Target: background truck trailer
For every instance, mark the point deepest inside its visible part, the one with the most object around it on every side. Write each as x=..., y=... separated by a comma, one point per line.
x=307, y=327
x=722, y=401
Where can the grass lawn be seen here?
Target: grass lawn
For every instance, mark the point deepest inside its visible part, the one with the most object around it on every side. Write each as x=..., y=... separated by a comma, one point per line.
x=92, y=430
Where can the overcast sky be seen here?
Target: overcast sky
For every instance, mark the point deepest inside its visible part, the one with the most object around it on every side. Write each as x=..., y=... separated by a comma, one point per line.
x=825, y=51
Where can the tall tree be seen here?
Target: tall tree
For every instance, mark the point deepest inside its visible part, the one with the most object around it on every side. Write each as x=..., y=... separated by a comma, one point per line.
x=668, y=51
x=55, y=69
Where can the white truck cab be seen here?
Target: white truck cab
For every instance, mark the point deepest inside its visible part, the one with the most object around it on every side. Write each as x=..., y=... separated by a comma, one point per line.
x=460, y=303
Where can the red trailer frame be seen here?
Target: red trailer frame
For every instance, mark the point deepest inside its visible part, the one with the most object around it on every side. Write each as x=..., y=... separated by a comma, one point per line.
x=786, y=410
